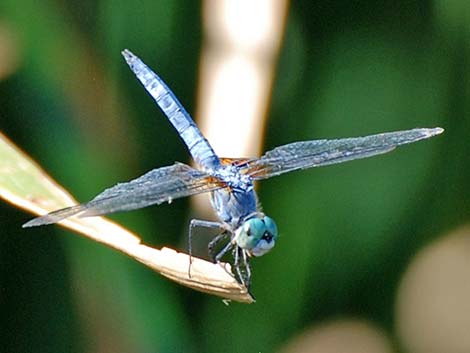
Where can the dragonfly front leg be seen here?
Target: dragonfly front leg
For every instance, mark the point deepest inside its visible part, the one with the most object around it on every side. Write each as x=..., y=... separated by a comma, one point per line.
x=198, y=223
x=203, y=224
x=225, y=250
x=213, y=243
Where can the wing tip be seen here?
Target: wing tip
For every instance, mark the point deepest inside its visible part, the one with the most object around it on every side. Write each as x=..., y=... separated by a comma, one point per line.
x=38, y=221
x=55, y=216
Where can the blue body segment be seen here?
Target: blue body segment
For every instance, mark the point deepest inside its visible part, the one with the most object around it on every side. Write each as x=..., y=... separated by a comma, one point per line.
x=234, y=206
x=197, y=144
x=238, y=201
x=230, y=181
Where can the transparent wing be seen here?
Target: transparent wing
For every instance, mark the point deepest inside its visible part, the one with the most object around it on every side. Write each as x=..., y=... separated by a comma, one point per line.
x=315, y=153
x=155, y=187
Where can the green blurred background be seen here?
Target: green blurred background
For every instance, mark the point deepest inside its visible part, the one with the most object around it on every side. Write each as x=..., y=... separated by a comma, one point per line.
x=348, y=232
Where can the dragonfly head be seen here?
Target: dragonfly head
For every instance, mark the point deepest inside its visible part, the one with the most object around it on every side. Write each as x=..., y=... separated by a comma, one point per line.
x=257, y=235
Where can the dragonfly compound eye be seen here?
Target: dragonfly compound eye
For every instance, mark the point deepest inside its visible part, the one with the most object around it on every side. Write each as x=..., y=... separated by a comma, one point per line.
x=257, y=235
x=271, y=228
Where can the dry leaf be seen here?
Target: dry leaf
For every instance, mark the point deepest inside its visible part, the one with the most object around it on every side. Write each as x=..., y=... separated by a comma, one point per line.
x=24, y=184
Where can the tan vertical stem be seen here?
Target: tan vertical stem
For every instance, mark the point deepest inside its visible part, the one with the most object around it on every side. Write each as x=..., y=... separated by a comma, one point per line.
x=240, y=50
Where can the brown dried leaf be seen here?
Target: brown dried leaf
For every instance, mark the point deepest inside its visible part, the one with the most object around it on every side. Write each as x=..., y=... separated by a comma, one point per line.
x=24, y=184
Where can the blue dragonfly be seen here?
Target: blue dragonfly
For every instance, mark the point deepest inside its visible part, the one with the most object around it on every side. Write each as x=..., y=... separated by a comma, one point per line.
x=244, y=230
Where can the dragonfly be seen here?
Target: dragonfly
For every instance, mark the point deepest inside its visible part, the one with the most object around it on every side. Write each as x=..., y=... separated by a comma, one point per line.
x=244, y=231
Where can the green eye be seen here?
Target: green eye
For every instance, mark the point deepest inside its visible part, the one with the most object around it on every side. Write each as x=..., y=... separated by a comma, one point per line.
x=257, y=235
x=254, y=227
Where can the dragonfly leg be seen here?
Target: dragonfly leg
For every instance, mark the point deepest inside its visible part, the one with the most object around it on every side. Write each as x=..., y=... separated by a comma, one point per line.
x=242, y=266
x=222, y=252
x=246, y=264
x=195, y=223
x=213, y=243
x=236, y=263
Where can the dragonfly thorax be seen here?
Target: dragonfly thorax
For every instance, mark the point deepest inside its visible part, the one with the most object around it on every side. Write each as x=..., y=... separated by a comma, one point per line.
x=233, y=178
x=238, y=201
x=257, y=235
